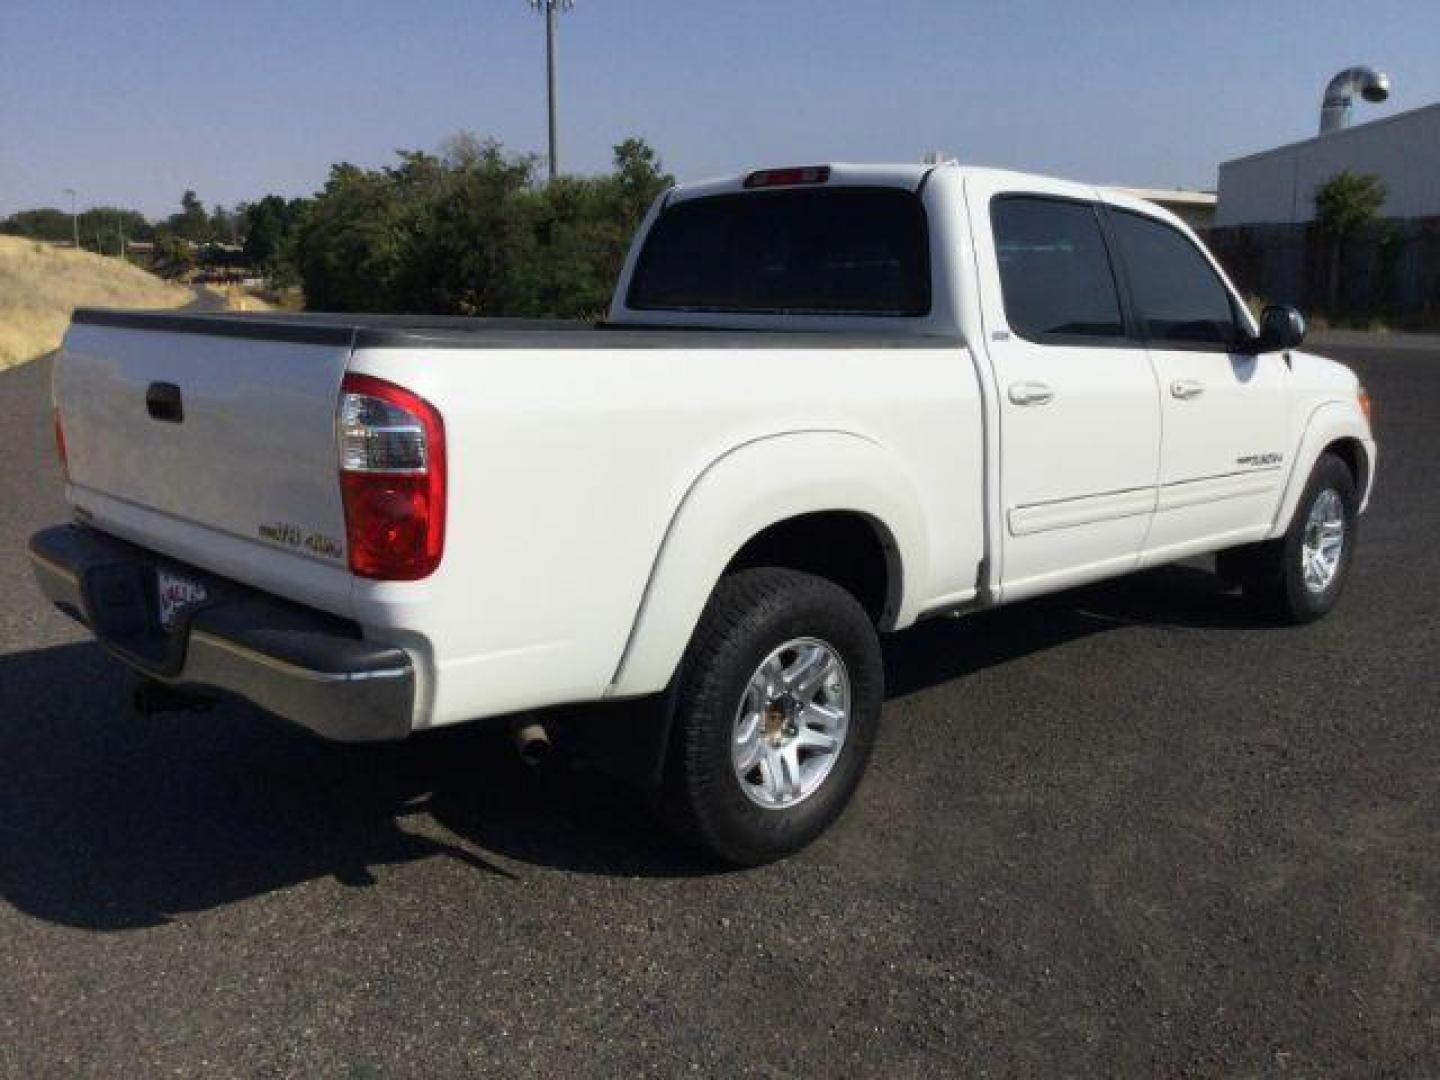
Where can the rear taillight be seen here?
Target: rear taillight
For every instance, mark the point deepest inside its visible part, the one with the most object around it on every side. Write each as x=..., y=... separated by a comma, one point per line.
x=60, y=443
x=392, y=477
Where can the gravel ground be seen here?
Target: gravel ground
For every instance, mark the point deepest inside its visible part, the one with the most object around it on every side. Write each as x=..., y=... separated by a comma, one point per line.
x=1127, y=830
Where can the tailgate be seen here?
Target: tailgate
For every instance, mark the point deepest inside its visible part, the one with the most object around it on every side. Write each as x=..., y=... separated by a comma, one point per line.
x=212, y=440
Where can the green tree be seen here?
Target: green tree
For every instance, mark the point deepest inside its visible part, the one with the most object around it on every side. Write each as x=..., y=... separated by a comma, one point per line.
x=584, y=226
x=348, y=241
x=639, y=178
x=269, y=227
x=49, y=223
x=1345, y=204
x=222, y=226
x=468, y=231
x=192, y=223
x=174, y=255
x=42, y=223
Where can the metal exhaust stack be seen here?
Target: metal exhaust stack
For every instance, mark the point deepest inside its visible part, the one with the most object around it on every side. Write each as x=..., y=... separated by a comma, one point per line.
x=1372, y=85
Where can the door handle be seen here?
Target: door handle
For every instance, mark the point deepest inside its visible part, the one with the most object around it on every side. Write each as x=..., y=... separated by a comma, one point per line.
x=1185, y=389
x=163, y=402
x=1030, y=393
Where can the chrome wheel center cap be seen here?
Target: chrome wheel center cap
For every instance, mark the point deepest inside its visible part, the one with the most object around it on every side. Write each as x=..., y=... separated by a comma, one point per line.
x=780, y=721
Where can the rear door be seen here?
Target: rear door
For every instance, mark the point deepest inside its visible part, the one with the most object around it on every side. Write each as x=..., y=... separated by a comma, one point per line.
x=1224, y=411
x=1078, y=401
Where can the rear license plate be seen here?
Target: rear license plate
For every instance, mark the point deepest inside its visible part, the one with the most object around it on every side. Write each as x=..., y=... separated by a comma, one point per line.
x=174, y=593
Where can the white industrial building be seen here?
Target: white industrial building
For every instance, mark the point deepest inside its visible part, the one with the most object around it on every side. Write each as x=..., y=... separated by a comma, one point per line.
x=1278, y=186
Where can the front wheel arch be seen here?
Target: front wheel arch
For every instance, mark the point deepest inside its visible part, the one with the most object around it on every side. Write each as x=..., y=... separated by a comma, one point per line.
x=1332, y=424
x=1270, y=572
x=1352, y=452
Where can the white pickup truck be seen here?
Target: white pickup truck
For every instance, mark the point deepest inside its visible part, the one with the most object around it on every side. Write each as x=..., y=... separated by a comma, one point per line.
x=826, y=402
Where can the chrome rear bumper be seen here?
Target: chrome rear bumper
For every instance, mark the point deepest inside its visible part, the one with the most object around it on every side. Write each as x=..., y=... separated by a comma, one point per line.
x=306, y=666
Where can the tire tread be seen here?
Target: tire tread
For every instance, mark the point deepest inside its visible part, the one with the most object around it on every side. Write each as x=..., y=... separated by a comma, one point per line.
x=741, y=603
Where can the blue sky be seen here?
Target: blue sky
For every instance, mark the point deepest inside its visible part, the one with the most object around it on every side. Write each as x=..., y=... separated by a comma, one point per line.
x=133, y=101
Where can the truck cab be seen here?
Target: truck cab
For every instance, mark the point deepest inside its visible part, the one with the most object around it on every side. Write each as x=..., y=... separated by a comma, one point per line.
x=1141, y=414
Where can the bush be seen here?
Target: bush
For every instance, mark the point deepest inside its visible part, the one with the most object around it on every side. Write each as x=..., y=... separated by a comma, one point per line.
x=471, y=232
x=1344, y=205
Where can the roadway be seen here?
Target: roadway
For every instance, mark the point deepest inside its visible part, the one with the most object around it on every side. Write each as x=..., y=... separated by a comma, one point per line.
x=1128, y=830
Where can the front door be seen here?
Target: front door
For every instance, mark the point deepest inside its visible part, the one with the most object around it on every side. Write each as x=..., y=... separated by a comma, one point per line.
x=1223, y=410
x=1078, y=402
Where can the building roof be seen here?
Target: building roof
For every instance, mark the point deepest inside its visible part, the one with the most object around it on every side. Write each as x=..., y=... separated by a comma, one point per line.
x=1361, y=130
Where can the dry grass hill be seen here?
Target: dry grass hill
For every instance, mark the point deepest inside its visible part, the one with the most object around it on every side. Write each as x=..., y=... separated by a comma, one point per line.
x=40, y=285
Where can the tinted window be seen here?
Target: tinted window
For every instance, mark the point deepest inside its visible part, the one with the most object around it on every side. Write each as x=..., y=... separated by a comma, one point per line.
x=856, y=250
x=1178, y=296
x=1055, y=273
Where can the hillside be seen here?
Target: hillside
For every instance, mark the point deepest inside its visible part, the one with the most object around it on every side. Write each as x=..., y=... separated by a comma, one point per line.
x=40, y=285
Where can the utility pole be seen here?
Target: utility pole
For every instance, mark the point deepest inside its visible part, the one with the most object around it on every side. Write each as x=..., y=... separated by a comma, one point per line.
x=74, y=219
x=551, y=10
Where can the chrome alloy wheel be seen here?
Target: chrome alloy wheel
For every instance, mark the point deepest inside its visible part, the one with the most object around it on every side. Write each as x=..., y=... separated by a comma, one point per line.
x=1324, y=541
x=791, y=723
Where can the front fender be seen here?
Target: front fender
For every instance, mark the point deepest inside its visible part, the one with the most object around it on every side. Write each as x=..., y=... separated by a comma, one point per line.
x=1330, y=422
x=743, y=492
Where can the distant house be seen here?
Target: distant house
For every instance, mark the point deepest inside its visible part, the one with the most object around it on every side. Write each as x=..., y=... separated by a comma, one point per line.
x=1195, y=208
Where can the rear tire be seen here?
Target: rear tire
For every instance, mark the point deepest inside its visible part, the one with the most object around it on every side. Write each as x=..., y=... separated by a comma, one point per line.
x=1298, y=578
x=779, y=697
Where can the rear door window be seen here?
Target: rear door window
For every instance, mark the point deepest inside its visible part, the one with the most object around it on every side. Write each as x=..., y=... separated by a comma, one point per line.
x=1055, y=272
x=860, y=251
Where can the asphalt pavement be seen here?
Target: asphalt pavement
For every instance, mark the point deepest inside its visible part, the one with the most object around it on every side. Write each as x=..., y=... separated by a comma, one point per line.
x=1124, y=831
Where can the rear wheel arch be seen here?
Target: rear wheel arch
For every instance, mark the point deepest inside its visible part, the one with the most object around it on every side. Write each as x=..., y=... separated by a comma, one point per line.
x=776, y=706
x=755, y=506
x=851, y=549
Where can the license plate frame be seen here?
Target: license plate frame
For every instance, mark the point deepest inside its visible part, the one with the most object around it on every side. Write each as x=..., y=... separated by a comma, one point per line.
x=175, y=594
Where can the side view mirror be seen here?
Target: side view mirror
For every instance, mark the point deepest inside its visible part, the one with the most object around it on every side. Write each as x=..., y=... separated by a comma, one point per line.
x=1281, y=327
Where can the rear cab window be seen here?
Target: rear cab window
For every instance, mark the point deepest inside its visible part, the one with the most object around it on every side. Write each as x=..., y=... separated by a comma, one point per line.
x=832, y=250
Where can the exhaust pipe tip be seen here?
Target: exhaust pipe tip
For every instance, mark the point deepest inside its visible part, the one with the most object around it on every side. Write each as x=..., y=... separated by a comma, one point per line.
x=532, y=743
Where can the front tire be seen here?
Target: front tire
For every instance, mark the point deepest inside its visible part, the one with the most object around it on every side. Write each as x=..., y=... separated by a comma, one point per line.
x=778, y=701
x=1298, y=578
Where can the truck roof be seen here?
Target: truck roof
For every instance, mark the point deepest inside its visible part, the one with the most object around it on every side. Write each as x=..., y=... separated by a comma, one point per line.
x=842, y=173
x=910, y=175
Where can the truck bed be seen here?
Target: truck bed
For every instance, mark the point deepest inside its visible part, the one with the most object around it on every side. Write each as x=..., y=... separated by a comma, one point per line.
x=451, y=332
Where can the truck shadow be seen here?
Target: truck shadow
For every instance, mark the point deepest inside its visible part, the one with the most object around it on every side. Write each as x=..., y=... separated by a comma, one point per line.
x=1181, y=597
x=111, y=822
